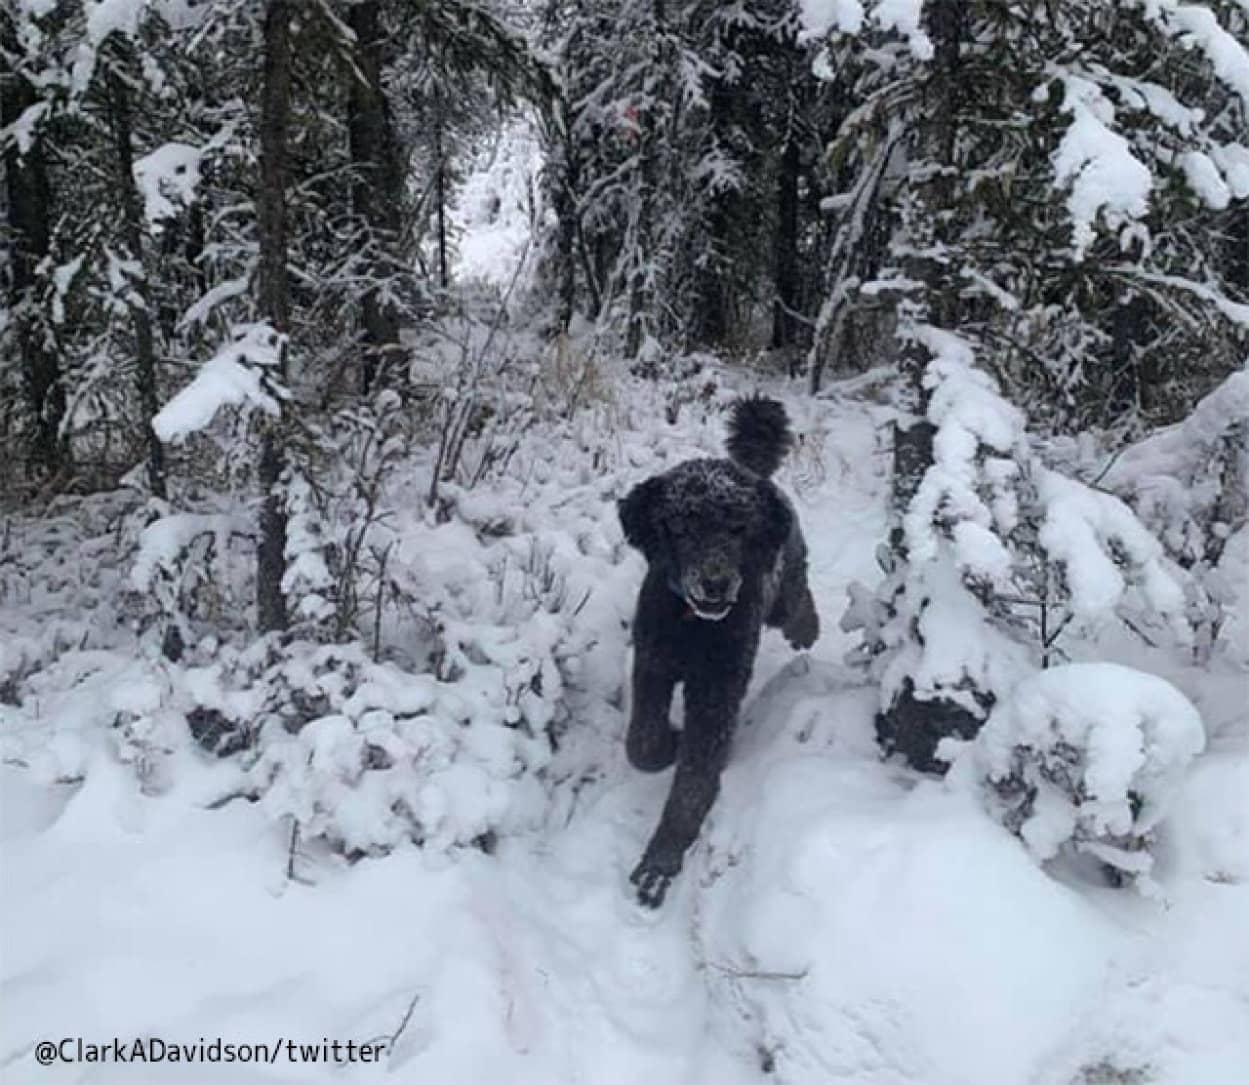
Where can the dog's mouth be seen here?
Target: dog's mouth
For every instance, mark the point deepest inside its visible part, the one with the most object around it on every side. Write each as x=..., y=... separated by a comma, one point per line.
x=711, y=610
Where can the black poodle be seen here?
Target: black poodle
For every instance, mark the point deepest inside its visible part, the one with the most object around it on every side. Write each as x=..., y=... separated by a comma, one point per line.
x=726, y=556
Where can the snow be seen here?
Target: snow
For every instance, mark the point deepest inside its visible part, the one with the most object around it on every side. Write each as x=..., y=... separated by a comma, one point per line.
x=1235, y=311
x=24, y=129
x=1158, y=100
x=466, y=820
x=969, y=412
x=944, y=665
x=833, y=916
x=969, y=498
x=240, y=375
x=1233, y=160
x=62, y=281
x=1183, y=449
x=820, y=16
x=845, y=855
x=1102, y=750
x=494, y=211
x=847, y=16
x=214, y=297
x=105, y=17
x=162, y=543
x=168, y=177
x=1097, y=163
x=1082, y=527
x=841, y=918
x=1204, y=178
x=904, y=16
x=1198, y=26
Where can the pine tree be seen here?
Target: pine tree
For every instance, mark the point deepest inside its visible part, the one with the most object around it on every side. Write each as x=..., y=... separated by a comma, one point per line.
x=1052, y=202
x=685, y=146
x=1068, y=219
x=28, y=201
x=274, y=302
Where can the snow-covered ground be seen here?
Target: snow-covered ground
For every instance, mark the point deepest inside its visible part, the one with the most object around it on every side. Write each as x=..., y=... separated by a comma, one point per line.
x=495, y=210
x=841, y=918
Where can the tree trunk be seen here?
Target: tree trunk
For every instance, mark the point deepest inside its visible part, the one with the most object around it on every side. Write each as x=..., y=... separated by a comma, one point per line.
x=119, y=116
x=639, y=295
x=638, y=237
x=377, y=193
x=440, y=193
x=29, y=199
x=945, y=23
x=1237, y=246
x=910, y=725
x=854, y=250
x=564, y=202
x=785, y=260
x=713, y=320
x=274, y=299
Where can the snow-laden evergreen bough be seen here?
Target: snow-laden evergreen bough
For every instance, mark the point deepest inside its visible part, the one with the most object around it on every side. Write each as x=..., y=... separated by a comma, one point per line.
x=1004, y=562
x=726, y=556
x=1189, y=483
x=1059, y=177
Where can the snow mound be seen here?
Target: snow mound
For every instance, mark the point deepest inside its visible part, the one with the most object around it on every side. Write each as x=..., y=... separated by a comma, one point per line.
x=1091, y=755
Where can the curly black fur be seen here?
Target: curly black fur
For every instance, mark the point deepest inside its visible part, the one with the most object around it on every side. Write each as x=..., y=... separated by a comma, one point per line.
x=759, y=435
x=726, y=556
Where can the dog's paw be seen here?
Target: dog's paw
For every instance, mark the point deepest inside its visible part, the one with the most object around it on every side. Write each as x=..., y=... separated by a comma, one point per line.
x=801, y=635
x=803, y=629
x=652, y=877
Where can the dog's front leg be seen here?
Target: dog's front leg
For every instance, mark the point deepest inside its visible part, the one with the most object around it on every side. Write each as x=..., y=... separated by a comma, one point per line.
x=652, y=743
x=711, y=705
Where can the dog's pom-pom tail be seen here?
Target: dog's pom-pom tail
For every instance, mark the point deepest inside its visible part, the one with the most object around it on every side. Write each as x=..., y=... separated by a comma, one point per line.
x=759, y=434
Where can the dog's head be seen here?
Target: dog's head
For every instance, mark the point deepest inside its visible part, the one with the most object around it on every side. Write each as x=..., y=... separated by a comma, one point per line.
x=709, y=524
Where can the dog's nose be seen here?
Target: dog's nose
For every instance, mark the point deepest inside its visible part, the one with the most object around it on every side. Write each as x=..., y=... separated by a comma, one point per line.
x=716, y=587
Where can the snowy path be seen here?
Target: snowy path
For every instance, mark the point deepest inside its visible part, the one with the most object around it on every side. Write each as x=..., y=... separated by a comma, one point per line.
x=838, y=921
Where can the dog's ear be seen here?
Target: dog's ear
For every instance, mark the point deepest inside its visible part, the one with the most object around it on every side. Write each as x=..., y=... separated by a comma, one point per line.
x=778, y=518
x=638, y=517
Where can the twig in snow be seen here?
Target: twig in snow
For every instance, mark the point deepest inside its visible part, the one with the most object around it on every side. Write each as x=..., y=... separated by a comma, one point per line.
x=738, y=973
x=290, y=853
x=394, y=1037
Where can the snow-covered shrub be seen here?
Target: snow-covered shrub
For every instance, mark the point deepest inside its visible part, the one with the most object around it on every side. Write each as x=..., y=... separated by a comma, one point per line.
x=367, y=756
x=1189, y=483
x=499, y=653
x=474, y=683
x=66, y=591
x=191, y=554
x=1088, y=756
x=185, y=569
x=337, y=497
x=308, y=583
x=1002, y=557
